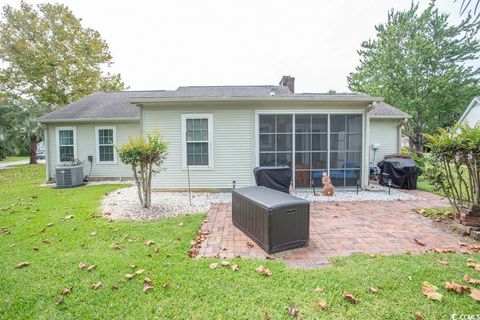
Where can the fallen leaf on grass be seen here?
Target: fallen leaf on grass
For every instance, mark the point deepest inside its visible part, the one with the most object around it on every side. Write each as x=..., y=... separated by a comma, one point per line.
x=430, y=291
x=46, y=241
x=117, y=246
x=132, y=266
x=66, y=218
x=318, y=289
x=115, y=287
x=90, y=268
x=474, y=294
x=452, y=286
x=213, y=265
x=419, y=242
x=81, y=265
x=266, y=316
x=147, y=280
x=264, y=271
x=129, y=276
x=22, y=264
x=94, y=233
x=373, y=290
x=225, y=263
x=180, y=224
x=322, y=304
x=442, y=262
x=149, y=242
x=166, y=285
x=419, y=315
x=147, y=288
x=97, y=285
x=293, y=311
x=467, y=279
x=349, y=297
x=140, y=271
x=473, y=265
x=64, y=292
x=234, y=267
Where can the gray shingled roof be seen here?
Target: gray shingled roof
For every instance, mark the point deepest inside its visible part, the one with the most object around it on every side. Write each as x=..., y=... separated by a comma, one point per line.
x=383, y=109
x=98, y=105
x=116, y=105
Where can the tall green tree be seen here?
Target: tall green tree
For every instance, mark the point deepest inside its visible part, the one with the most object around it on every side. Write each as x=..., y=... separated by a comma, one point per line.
x=48, y=56
x=30, y=132
x=420, y=64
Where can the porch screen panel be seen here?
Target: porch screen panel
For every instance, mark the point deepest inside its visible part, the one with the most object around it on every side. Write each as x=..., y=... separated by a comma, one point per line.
x=345, y=149
x=276, y=136
x=311, y=148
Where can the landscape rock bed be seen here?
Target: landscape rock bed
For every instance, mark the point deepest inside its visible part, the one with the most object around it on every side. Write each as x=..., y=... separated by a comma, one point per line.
x=123, y=204
x=351, y=195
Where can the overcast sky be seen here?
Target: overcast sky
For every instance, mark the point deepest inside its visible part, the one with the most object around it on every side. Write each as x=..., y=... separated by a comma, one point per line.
x=166, y=44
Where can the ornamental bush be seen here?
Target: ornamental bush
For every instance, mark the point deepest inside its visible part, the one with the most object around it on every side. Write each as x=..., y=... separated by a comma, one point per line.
x=145, y=155
x=453, y=165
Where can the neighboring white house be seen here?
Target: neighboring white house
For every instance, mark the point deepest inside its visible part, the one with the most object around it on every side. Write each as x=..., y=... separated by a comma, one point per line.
x=223, y=132
x=471, y=116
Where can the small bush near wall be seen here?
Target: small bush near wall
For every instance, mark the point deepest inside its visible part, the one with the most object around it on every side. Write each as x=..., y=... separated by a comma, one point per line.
x=453, y=165
x=145, y=155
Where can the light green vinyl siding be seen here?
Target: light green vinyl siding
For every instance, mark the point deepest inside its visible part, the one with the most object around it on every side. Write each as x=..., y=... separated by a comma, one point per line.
x=383, y=132
x=86, y=146
x=233, y=145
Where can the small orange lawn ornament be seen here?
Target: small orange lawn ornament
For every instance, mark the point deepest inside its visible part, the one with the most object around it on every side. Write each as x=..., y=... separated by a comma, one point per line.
x=328, y=189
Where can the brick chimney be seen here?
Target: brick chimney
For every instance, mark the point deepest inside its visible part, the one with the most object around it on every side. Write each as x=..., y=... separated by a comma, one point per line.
x=288, y=81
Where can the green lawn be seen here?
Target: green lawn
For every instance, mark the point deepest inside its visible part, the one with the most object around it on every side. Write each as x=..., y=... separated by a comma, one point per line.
x=14, y=158
x=423, y=184
x=192, y=290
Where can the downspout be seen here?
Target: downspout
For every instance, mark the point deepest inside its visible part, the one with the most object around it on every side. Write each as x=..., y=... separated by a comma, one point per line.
x=366, y=146
x=47, y=153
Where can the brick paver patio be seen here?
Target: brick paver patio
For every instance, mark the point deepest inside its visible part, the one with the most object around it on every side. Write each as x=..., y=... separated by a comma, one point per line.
x=340, y=229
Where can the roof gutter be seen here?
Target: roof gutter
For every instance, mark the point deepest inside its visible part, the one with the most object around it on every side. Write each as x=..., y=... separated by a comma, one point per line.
x=150, y=100
x=405, y=116
x=88, y=120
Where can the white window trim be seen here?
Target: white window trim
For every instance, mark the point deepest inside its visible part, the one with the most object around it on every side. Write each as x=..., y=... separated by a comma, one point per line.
x=57, y=139
x=208, y=116
x=97, y=145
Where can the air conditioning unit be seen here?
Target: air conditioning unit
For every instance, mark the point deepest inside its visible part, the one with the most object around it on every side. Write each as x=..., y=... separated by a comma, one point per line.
x=67, y=177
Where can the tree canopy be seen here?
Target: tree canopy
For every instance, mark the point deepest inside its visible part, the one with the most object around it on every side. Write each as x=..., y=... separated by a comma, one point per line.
x=420, y=64
x=48, y=56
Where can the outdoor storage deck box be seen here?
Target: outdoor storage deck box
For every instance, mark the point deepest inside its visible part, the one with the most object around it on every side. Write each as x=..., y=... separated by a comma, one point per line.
x=276, y=221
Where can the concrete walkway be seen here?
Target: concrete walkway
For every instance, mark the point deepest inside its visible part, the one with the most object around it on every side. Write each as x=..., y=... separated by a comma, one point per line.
x=340, y=229
x=5, y=165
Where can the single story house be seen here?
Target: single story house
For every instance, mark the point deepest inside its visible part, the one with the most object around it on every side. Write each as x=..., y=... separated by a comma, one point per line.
x=221, y=133
x=471, y=116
